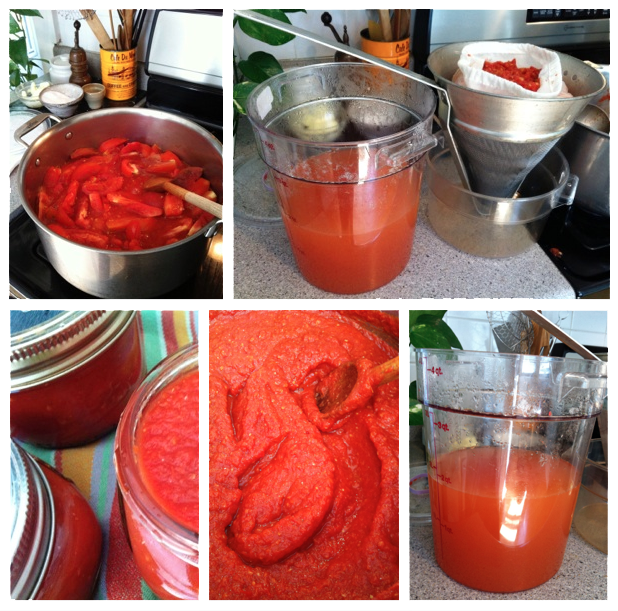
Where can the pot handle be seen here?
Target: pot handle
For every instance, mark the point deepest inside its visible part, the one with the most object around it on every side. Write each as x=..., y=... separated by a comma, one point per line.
x=32, y=124
x=567, y=195
x=214, y=230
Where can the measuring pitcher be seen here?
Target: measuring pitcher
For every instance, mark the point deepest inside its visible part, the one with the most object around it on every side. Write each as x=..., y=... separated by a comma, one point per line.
x=506, y=439
x=345, y=145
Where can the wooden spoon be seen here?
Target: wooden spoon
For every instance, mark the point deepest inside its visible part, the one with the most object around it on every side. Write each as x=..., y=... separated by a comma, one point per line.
x=164, y=183
x=335, y=388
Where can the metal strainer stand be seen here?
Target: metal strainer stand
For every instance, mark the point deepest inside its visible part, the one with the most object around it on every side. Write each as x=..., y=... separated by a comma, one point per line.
x=444, y=106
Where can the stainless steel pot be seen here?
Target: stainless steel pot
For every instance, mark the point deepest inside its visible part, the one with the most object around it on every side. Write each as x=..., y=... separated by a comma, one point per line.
x=587, y=151
x=115, y=274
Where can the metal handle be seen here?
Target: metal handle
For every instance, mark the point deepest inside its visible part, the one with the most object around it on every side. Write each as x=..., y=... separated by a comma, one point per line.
x=214, y=230
x=567, y=195
x=444, y=104
x=32, y=124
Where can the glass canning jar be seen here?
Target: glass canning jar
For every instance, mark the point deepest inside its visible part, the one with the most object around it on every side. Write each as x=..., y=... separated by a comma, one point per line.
x=72, y=375
x=159, y=428
x=56, y=540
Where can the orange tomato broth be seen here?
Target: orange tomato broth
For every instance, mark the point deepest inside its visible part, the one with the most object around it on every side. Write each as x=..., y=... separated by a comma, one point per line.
x=348, y=237
x=99, y=197
x=501, y=518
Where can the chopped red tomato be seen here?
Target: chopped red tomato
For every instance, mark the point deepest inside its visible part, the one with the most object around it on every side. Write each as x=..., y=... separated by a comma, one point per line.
x=99, y=197
x=128, y=167
x=136, y=148
x=168, y=168
x=84, y=152
x=133, y=204
x=528, y=78
x=86, y=170
x=52, y=176
x=96, y=184
x=111, y=143
x=173, y=205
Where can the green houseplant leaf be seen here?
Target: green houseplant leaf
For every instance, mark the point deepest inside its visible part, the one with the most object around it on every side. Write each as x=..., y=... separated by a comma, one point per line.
x=259, y=66
x=265, y=33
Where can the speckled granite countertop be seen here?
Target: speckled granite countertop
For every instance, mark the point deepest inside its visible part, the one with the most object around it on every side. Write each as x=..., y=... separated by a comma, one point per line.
x=582, y=576
x=264, y=266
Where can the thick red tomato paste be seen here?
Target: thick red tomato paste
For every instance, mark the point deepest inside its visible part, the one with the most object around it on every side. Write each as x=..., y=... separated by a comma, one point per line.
x=167, y=446
x=303, y=504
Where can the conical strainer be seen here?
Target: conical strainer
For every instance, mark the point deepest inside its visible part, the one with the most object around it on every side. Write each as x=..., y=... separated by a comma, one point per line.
x=501, y=138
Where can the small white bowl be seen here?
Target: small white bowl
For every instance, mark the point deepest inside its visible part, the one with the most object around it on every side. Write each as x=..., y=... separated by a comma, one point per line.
x=63, y=99
x=28, y=93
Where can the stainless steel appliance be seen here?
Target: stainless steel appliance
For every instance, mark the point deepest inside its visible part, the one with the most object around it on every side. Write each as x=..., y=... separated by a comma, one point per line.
x=576, y=240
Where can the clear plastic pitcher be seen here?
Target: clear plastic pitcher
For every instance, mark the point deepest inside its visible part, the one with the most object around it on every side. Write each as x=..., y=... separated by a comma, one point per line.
x=345, y=144
x=506, y=439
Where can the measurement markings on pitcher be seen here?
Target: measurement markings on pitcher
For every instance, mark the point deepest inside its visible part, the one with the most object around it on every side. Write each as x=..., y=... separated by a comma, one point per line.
x=435, y=370
x=439, y=476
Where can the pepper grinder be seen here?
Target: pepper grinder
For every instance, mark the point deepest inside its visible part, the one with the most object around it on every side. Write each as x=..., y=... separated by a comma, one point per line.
x=78, y=61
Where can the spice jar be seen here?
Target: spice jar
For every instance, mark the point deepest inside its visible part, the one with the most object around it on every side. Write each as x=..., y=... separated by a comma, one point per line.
x=72, y=374
x=156, y=459
x=56, y=540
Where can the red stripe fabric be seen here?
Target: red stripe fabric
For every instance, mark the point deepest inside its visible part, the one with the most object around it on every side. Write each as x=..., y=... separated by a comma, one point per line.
x=122, y=577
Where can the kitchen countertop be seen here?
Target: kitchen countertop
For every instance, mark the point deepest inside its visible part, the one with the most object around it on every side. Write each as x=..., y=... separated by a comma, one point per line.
x=582, y=576
x=264, y=266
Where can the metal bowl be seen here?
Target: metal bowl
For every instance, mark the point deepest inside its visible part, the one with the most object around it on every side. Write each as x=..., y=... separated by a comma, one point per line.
x=516, y=119
x=495, y=227
x=118, y=274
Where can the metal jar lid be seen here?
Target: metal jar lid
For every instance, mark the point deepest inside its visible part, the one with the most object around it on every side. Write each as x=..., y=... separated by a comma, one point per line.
x=66, y=341
x=32, y=524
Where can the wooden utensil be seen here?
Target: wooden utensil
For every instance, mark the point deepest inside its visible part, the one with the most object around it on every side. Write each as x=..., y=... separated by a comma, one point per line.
x=163, y=183
x=90, y=17
x=385, y=22
x=335, y=388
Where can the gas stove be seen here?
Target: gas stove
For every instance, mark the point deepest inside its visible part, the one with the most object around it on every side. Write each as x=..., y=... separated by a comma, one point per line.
x=184, y=78
x=577, y=242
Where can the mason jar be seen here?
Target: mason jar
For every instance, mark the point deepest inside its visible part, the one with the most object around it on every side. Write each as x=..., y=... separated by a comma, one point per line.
x=156, y=458
x=56, y=541
x=72, y=374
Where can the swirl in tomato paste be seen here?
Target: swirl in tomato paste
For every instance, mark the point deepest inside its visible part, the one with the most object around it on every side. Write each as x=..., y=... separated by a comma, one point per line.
x=303, y=504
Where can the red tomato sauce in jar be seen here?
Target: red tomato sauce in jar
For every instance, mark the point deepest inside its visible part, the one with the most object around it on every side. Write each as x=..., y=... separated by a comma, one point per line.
x=303, y=504
x=167, y=448
x=72, y=397
x=74, y=566
x=157, y=466
x=56, y=538
x=108, y=197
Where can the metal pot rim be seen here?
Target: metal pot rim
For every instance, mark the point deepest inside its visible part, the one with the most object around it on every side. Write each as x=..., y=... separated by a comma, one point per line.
x=208, y=230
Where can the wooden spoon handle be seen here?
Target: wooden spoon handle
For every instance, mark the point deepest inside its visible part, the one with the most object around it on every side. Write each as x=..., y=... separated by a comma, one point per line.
x=193, y=198
x=386, y=372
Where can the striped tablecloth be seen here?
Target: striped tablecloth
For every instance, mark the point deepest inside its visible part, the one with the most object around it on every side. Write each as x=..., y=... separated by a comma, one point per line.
x=92, y=469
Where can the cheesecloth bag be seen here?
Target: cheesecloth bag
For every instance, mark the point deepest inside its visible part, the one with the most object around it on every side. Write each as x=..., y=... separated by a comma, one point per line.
x=472, y=75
